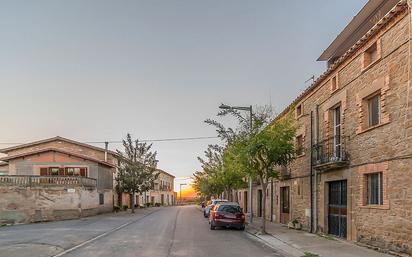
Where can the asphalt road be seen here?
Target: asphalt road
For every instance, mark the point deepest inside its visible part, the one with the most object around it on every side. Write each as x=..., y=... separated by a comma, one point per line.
x=155, y=232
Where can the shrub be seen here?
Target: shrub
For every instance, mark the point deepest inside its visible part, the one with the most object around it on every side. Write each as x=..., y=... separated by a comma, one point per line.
x=125, y=207
x=157, y=204
x=116, y=208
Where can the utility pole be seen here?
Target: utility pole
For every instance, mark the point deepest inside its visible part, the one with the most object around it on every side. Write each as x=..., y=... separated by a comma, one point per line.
x=226, y=107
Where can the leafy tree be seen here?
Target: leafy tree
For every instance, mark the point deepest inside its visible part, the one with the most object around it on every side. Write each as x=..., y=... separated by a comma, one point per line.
x=137, y=170
x=264, y=151
x=254, y=149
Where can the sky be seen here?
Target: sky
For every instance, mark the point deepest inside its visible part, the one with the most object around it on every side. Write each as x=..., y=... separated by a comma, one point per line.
x=94, y=70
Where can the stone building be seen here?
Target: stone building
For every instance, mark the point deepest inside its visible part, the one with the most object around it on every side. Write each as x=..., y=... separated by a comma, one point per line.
x=54, y=179
x=352, y=178
x=162, y=193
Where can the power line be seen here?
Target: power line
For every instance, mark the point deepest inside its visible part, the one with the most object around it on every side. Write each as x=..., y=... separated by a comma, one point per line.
x=155, y=140
x=119, y=142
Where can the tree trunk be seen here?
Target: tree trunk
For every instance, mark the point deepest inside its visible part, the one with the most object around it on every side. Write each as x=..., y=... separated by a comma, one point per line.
x=264, y=187
x=133, y=203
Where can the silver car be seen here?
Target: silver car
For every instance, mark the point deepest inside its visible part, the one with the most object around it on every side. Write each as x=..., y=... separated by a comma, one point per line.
x=207, y=209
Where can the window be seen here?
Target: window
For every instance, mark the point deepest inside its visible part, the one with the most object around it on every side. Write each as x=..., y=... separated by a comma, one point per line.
x=374, y=114
x=334, y=84
x=374, y=187
x=229, y=208
x=101, y=198
x=336, y=131
x=69, y=172
x=370, y=55
x=299, y=110
x=299, y=145
x=54, y=171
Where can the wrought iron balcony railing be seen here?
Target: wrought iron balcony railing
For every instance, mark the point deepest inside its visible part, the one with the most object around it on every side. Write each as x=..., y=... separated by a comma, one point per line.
x=330, y=153
x=47, y=181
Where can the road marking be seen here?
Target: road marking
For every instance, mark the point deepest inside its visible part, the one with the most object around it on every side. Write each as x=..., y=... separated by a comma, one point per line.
x=101, y=235
x=172, y=240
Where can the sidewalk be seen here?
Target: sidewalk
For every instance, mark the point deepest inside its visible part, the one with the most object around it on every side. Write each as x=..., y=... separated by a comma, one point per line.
x=295, y=243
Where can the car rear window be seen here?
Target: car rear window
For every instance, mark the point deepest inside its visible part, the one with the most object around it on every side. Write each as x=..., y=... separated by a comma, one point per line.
x=229, y=208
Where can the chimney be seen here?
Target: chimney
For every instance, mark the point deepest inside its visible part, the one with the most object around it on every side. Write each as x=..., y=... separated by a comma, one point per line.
x=106, y=148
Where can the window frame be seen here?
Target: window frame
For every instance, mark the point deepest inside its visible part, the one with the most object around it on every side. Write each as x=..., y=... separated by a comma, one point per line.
x=299, y=145
x=371, y=189
x=370, y=109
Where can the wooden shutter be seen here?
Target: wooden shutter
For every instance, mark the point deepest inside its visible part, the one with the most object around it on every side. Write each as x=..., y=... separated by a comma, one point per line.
x=43, y=172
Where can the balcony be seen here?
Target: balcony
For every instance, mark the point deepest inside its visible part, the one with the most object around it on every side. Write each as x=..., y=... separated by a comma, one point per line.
x=284, y=173
x=330, y=154
x=46, y=181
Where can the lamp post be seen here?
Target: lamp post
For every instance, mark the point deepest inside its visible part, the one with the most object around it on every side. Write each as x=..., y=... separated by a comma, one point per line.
x=250, y=110
x=180, y=191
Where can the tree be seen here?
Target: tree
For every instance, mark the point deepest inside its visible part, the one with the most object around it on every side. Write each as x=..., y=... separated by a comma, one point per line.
x=264, y=151
x=137, y=170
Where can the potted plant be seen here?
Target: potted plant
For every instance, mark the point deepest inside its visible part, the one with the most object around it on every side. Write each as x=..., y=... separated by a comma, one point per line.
x=295, y=224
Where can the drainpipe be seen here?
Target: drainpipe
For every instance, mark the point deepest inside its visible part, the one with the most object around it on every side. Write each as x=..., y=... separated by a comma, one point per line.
x=106, y=149
x=315, y=205
x=311, y=172
x=271, y=200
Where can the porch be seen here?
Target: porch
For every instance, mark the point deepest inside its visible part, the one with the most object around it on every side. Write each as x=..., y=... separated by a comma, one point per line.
x=47, y=181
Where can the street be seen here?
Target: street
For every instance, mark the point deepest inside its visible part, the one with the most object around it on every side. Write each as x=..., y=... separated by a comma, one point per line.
x=155, y=232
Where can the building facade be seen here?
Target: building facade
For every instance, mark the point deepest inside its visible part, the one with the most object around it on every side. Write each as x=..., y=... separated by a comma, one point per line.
x=55, y=179
x=352, y=177
x=162, y=193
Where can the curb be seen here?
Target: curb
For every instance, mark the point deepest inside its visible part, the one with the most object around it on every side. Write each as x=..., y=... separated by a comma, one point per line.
x=279, y=248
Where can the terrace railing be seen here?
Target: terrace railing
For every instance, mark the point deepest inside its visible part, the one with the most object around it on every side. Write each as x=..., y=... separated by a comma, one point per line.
x=330, y=153
x=46, y=181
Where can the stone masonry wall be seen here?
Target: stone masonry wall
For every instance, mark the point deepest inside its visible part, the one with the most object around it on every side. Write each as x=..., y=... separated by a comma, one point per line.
x=25, y=205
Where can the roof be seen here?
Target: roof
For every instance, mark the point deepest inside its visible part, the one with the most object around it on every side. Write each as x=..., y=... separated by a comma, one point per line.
x=53, y=149
x=399, y=7
x=57, y=138
x=165, y=173
x=367, y=17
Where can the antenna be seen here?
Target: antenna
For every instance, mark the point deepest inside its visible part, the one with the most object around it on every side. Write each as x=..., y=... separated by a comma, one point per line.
x=311, y=78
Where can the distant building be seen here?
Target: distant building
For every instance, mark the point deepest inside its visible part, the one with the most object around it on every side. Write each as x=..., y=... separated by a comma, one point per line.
x=162, y=193
x=54, y=179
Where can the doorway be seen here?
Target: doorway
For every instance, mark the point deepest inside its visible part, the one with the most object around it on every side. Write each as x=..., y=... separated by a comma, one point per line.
x=245, y=203
x=284, y=205
x=337, y=208
x=260, y=203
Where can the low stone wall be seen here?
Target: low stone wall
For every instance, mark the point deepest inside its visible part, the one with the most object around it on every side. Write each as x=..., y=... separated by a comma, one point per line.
x=36, y=204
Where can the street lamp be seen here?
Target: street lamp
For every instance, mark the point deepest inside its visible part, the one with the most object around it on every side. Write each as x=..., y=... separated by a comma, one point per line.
x=244, y=108
x=180, y=186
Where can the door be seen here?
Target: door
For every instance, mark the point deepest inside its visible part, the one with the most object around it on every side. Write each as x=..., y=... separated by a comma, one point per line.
x=337, y=208
x=162, y=199
x=284, y=205
x=245, y=203
x=260, y=203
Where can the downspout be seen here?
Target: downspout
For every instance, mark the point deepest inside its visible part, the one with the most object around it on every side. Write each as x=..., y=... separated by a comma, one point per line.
x=271, y=200
x=315, y=205
x=311, y=172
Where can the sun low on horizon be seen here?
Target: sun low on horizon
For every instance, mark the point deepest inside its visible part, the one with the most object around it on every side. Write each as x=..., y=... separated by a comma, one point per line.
x=187, y=190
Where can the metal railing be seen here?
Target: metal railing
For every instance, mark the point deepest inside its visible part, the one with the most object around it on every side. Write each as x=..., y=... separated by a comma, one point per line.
x=331, y=150
x=33, y=181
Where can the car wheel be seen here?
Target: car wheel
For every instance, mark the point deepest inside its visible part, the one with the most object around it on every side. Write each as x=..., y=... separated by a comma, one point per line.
x=212, y=226
x=242, y=227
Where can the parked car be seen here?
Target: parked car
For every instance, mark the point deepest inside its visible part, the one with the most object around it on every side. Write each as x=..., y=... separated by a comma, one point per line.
x=227, y=214
x=210, y=205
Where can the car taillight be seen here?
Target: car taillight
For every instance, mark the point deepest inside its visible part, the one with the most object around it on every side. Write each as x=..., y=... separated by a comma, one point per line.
x=243, y=216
